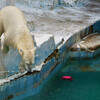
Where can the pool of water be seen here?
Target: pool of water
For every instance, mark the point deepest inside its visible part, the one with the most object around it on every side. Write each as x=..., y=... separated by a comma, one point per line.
x=84, y=86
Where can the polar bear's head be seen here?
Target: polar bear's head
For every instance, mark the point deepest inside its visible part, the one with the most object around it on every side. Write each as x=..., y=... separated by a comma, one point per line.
x=28, y=58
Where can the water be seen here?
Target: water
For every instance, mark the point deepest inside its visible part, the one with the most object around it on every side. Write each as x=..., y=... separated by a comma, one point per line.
x=85, y=84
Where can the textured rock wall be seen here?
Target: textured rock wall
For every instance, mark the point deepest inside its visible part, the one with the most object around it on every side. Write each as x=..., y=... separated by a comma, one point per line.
x=45, y=4
x=72, y=3
x=4, y=3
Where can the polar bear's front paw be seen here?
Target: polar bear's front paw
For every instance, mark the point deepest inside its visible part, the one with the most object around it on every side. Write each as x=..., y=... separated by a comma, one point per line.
x=28, y=68
x=21, y=67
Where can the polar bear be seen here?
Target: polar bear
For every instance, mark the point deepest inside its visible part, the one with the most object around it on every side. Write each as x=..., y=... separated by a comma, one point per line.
x=16, y=34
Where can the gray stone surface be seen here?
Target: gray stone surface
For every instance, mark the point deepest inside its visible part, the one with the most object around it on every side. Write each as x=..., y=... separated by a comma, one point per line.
x=62, y=21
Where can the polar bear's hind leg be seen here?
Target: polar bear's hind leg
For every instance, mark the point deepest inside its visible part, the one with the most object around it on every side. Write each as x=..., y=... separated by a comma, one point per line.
x=4, y=47
x=1, y=28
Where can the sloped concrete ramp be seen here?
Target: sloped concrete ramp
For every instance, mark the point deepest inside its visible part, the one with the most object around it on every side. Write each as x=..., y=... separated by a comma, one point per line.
x=88, y=47
x=89, y=43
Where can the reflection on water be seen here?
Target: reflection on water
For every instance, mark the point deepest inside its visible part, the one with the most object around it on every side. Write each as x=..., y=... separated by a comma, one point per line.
x=85, y=84
x=3, y=71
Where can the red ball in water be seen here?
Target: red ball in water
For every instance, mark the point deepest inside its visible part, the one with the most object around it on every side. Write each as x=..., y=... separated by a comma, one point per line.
x=67, y=78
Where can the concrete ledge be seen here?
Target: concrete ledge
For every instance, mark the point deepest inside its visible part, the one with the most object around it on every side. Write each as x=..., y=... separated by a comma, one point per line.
x=45, y=46
x=84, y=54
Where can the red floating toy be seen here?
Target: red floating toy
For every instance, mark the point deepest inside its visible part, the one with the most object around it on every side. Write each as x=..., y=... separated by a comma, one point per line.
x=67, y=78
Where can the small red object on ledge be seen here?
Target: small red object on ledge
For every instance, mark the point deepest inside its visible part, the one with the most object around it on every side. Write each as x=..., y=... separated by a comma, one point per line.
x=67, y=78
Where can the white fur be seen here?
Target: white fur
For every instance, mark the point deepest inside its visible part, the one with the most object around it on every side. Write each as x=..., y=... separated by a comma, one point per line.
x=16, y=34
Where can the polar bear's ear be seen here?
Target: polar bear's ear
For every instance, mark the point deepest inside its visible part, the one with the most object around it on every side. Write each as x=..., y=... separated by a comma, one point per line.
x=21, y=51
x=34, y=49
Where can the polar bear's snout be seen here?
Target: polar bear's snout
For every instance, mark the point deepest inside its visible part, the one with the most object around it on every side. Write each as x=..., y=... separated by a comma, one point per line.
x=28, y=57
